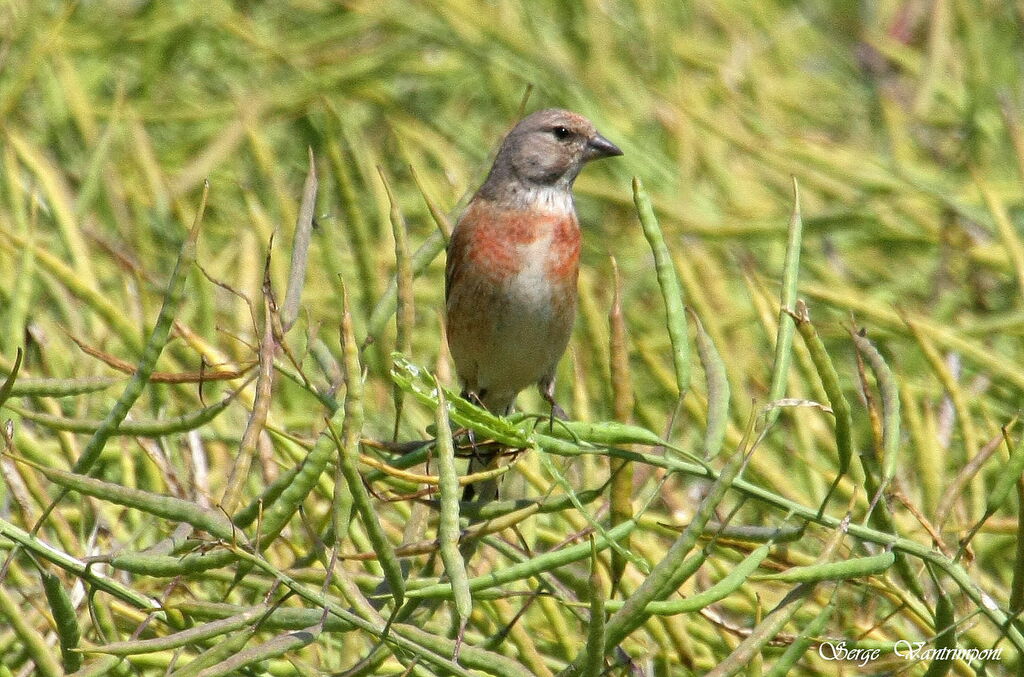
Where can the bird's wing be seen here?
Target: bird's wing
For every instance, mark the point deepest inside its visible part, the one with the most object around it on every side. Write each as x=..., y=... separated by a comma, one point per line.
x=458, y=248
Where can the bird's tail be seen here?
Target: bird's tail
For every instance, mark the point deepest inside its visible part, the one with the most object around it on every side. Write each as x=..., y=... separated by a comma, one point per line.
x=484, y=456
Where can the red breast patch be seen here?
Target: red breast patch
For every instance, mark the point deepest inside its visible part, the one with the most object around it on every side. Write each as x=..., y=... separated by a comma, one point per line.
x=495, y=240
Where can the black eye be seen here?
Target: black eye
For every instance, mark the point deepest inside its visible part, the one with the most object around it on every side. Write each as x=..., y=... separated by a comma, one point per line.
x=560, y=132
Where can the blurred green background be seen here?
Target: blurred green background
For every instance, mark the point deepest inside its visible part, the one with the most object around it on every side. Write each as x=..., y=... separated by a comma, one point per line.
x=901, y=121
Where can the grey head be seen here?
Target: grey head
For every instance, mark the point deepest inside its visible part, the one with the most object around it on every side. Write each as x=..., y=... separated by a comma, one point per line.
x=547, y=149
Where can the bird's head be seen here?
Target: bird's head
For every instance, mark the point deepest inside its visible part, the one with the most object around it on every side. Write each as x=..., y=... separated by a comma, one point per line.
x=549, y=148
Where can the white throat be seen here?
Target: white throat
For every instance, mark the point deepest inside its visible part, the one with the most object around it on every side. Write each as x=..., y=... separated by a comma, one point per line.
x=553, y=199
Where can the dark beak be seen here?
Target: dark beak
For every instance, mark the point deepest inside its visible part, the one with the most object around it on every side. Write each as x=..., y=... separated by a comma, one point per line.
x=599, y=147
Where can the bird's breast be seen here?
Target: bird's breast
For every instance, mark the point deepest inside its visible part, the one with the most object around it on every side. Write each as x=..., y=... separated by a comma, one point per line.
x=542, y=246
x=511, y=294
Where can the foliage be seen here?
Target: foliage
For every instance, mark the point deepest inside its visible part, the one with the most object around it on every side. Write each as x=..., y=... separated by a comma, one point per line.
x=206, y=447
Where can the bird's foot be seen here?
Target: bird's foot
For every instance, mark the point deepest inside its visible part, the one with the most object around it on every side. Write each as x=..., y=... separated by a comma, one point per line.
x=547, y=391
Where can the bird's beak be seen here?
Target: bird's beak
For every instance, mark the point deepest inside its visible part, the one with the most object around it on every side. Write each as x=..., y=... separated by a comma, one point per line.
x=599, y=147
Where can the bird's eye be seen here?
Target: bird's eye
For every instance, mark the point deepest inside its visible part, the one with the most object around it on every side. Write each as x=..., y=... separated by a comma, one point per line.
x=560, y=132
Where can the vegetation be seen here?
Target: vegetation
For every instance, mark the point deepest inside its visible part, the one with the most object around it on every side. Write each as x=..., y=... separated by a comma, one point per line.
x=793, y=412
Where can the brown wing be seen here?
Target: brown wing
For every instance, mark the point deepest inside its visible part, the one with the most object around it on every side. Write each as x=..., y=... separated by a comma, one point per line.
x=458, y=248
x=455, y=255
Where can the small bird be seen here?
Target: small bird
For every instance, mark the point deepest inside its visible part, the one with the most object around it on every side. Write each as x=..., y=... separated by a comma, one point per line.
x=513, y=262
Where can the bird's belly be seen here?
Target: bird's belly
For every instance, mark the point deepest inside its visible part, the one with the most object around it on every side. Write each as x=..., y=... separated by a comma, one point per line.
x=533, y=321
x=521, y=328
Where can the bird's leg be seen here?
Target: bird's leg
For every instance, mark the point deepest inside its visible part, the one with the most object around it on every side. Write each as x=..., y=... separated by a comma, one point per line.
x=547, y=391
x=472, y=397
x=476, y=459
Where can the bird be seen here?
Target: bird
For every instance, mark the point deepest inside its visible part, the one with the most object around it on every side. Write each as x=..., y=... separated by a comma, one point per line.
x=513, y=263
